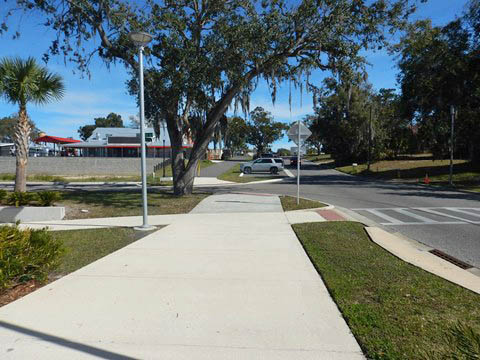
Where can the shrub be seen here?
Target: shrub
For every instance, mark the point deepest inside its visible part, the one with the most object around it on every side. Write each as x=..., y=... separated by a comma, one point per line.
x=3, y=195
x=47, y=198
x=26, y=255
x=20, y=198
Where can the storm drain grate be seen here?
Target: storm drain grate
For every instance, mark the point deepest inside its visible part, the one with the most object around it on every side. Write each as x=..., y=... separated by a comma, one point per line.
x=451, y=259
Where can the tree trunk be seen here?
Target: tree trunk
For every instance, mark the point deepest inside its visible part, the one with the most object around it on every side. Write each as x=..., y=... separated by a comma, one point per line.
x=183, y=185
x=21, y=139
x=183, y=177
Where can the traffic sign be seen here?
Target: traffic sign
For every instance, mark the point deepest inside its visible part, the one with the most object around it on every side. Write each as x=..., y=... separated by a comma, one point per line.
x=292, y=133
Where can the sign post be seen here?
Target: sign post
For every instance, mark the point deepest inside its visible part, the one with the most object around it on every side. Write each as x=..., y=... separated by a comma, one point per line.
x=298, y=133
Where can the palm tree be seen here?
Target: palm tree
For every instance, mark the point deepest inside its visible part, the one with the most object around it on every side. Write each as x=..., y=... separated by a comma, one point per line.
x=22, y=82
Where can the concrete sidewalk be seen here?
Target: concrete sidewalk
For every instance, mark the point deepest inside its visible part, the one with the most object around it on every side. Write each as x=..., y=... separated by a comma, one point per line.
x=232, y=282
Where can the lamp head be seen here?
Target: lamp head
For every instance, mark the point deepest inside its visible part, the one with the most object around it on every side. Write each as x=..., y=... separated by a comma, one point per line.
x=140, y=38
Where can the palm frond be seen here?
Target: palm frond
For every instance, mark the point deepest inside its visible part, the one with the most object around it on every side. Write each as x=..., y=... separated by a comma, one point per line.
x=23, y=81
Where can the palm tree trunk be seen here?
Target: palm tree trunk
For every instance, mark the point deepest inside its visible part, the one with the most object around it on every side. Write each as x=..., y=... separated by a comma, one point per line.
x=21, y=139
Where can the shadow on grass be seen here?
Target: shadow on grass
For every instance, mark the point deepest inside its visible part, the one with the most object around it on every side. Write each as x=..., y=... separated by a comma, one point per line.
x=125, y=202
x=122, y=199
x=469, y=170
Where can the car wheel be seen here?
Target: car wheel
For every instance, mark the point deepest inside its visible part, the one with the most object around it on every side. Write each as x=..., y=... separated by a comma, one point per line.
x=273, y=170
x=247, y=170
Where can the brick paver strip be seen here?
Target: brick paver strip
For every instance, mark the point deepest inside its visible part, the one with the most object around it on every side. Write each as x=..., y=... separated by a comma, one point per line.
x=330, y=215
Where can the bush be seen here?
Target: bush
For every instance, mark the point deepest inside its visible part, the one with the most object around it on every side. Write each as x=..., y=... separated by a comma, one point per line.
x=26, y=255
x=3, y=195
x=20, y=198
x=47, y=198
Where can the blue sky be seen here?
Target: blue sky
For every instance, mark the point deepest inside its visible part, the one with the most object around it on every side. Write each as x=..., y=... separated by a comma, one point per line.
x=105, y=91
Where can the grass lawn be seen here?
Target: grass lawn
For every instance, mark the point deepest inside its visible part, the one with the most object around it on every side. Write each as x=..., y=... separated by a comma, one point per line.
x=125, y=203
x=86, y=246
x=290, y=203
x=465, y=175
x=233, y=175
x=394, y=309
x=99, y=178
x=318, y=158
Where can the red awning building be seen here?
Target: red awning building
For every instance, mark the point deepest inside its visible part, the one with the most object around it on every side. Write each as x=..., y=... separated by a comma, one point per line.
x=55, y=140
x=125, y=142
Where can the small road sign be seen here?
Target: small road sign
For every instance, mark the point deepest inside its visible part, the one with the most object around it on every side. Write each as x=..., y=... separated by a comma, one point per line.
x=292, y=133
x=298, y=133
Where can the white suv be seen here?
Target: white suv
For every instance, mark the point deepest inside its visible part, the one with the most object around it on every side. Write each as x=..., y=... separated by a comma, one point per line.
x=272, y=165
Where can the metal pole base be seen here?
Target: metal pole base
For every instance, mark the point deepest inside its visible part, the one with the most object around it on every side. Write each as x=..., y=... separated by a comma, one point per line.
x=144, y=228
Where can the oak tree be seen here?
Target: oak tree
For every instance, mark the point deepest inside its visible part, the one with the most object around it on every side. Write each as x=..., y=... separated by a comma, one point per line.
x=208, y=54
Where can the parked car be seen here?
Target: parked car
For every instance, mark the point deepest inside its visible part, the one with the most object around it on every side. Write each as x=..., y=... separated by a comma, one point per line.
x=293, y=161
x=279, y=161
x=267, y=155
x=262, y=165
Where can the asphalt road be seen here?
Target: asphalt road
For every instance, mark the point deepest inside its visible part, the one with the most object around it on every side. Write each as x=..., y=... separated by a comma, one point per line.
x=217, y=169
x=443, y=219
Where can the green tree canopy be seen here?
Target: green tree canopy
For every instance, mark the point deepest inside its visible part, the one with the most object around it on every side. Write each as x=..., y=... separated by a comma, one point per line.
x=439, y=67
x=236, y=134
x=262, y=130
x=23, y=82
x=207, y=54
x=7, y=128
x=112, y=120
x=315, y=140
x=284, y=152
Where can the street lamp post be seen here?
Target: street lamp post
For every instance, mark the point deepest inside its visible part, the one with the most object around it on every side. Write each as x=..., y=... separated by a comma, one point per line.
x=140, y=39
x=163, y=135
x=452, y=113
x=369, y=140
x=299, y=145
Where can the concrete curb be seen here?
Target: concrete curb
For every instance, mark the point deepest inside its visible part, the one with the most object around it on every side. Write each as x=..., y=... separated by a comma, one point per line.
x=262, y=181
x=74, y=183
x=328, y=207
x=12, y=214
x=417, y=254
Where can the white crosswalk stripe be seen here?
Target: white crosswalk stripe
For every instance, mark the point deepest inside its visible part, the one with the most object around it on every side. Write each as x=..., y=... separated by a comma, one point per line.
x=288, y=172
x=429, y=215
x=415, y=216
x=464, y=211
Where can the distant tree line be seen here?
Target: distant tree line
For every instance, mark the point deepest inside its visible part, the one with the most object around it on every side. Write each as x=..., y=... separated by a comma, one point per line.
x=112, y=120
x=260, y=130
x=439, y=67
x=7, y=129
